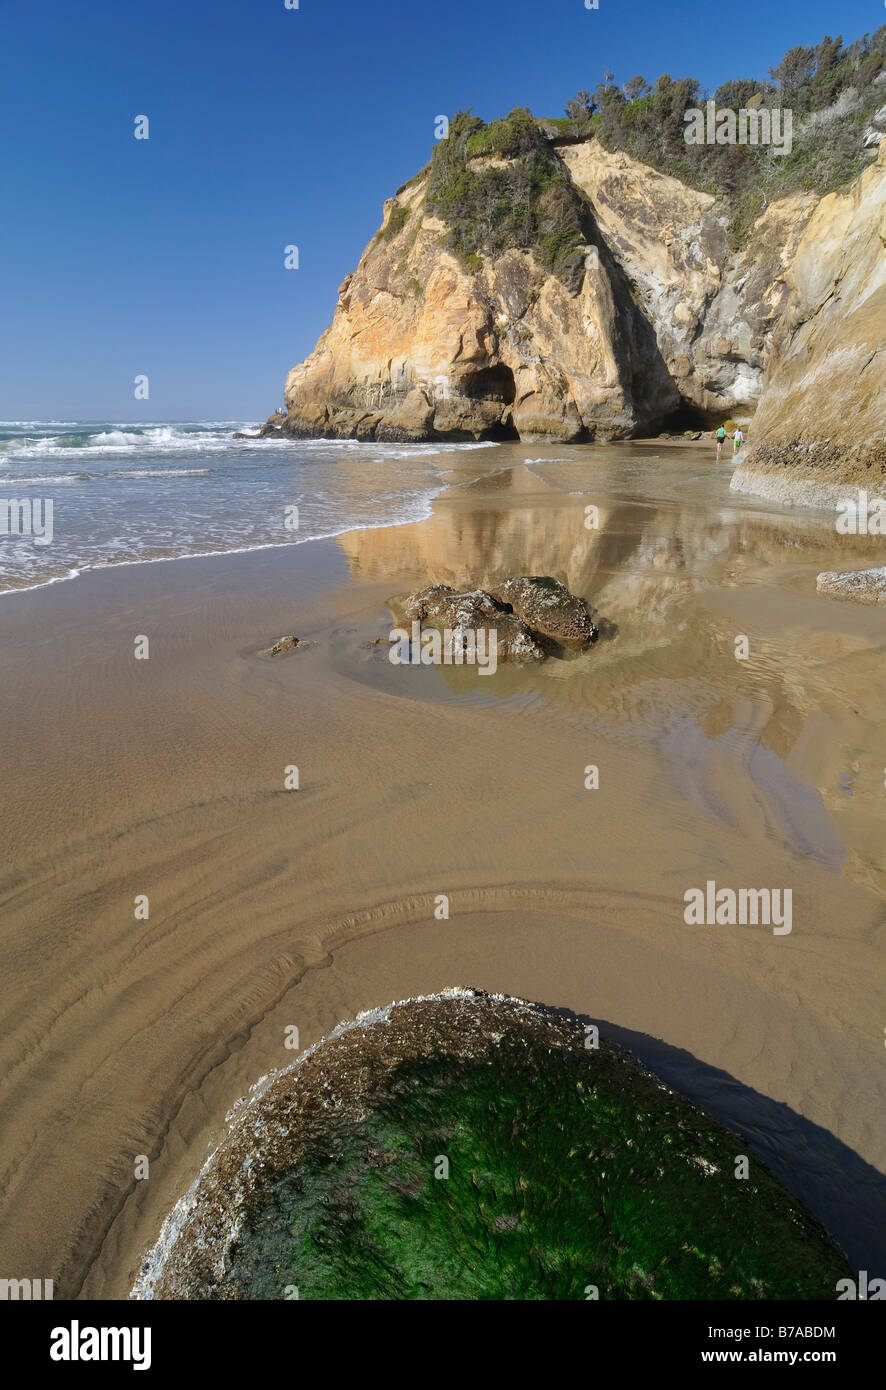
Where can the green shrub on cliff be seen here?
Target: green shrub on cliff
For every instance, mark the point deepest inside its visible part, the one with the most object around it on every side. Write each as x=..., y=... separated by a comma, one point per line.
x=529, y=203
x=396, y=222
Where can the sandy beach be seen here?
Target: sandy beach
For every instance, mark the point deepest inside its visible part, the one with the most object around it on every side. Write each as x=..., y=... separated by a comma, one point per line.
x=271, y=907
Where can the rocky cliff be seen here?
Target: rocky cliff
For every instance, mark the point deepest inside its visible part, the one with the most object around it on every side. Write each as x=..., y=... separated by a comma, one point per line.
x=712, y=309
x=821, y=425
x=527, y=285
x=424, y=346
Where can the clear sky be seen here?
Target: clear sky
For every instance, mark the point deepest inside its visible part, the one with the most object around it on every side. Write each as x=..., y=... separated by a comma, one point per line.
x=269, y=127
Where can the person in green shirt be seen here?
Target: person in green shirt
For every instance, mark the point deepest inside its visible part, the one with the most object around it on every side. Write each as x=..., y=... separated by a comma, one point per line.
x=721, y=436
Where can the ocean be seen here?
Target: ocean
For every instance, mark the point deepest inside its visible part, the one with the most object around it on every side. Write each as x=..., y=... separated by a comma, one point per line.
x=110, y=493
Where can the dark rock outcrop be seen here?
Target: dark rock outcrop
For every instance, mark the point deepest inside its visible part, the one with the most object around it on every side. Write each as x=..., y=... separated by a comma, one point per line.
x=548, y=609
x=532, y=616
x=442, y=608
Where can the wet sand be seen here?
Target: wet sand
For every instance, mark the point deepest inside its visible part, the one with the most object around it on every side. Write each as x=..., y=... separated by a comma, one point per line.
x=271, y=908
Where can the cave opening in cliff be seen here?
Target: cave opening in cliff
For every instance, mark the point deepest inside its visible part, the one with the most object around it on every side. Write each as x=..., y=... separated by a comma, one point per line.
x=502, y=432
x=685, y=417
x=494, y=383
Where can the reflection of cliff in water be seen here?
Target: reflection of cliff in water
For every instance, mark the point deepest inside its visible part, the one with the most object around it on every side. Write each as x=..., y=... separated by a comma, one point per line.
x=671, y=515
x=682, y=569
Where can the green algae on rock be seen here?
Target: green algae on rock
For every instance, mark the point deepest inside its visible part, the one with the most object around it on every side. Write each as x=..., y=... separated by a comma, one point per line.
x=468, y=1146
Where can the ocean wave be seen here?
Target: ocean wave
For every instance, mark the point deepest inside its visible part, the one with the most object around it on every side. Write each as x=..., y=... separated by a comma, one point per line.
x=102, y=563
x=390, y=451
x=132, y=439
x=59, y=478
x=45, y=443
x=118, y=437
x=223, y=497
x=172, y=440
x=52, y=479
x=160, y=473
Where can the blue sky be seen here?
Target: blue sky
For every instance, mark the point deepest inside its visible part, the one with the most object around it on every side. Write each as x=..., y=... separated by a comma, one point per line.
x=269, y=127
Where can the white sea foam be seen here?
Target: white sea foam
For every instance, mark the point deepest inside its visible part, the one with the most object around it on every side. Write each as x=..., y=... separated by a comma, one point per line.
x=121, y=437
x=161, y=473
x=210, y=494
x=46, y=480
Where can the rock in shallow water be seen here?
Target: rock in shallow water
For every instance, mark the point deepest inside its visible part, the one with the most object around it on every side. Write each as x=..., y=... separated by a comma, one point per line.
x=283, y=644
x=441, y=607
x=864, y=586
x=548, y=609
x=531, y=615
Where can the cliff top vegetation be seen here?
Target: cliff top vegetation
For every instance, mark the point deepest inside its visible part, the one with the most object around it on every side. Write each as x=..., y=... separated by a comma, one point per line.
x=501, y=185
x=528, y=202
x=832, y=91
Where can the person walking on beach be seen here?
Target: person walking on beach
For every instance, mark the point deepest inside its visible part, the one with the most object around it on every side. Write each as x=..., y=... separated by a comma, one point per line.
x=737, y=440
x=721, y=435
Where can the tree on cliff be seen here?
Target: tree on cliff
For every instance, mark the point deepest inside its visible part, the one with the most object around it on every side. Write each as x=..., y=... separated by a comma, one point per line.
x=581, y=107
x=832, y=91
x=634, y=88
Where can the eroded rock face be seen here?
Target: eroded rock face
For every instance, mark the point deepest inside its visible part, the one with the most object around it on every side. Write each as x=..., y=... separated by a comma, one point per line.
x=420, y=347
x=443, y=608
x=712, y=309
x=548, y=609
x=821, y=424
x=664, y=316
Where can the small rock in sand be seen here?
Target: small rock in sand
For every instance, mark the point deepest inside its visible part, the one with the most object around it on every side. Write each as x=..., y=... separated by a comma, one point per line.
x=864, y=586
x=284, y=644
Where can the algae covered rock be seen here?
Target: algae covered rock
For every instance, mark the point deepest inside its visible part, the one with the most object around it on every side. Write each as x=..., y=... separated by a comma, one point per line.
x=474, y=1146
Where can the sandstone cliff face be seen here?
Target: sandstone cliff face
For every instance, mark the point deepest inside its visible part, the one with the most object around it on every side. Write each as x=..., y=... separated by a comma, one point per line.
x=420, y=347
x=712, y=309
x=821, y=424
x=665, y=317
